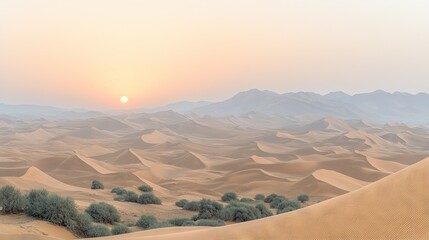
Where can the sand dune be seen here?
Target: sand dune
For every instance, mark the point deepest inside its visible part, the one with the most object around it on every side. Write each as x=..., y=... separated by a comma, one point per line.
x=339, y=180
x=157, y=137
x=264, y=160
x=386, y=166
x=35, y=178
x=393, y=208
x=197, y=157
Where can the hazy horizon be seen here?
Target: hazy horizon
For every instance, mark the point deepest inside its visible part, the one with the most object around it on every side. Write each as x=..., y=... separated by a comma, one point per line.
x=90, y=53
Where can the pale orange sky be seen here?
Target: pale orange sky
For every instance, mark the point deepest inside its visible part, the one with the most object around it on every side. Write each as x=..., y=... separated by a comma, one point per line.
x=88, y=53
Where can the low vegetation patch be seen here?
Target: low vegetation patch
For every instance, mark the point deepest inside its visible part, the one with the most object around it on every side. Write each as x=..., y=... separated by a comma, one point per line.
x=181, y=203
x=288, y=206
x=127, y=196
x=192, y=206
x=11, y=200
x=148, y=198
x=178, y=221
x=119, y=190
x=103, y=213
x=146, y=221
x=246, y=200
x=265, y=212
x=145, y=188
x=229, y=196
x=210, y=223
x=97, y=185
x=259, y=197
x=209, y=209
x=303, y=198
x=239, y=212
x=120, y=229
x=97, y=230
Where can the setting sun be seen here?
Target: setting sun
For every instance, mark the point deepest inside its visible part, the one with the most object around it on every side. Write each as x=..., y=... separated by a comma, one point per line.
x=124, y=99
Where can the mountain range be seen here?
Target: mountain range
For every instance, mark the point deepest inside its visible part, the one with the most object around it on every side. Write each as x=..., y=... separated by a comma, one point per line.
x=378, y=106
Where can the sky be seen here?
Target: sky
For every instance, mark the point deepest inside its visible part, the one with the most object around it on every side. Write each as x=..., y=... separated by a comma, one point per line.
x=89, y=53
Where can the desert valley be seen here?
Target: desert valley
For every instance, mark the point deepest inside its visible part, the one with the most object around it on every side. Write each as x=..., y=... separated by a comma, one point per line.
x=359, y=175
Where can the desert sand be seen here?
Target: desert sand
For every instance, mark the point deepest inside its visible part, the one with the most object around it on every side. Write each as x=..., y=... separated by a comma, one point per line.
x=365, y=180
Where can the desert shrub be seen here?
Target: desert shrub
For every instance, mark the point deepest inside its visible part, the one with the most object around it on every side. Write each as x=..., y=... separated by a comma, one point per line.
x=210, y=223
x=287, y=206
x=97, y=230
x=51, y=207
x=239, y=212
x=181, y=203
x=148, y=198
x=80, y=224
x=37, y=200
x=161, y=225
x=128, y=196
x=229, y=196
x=259, y=197
x=188, y=223
x=265, y=212
x=246, y=200
x=145, y=188
x=119, y=190
x=276, y=201
x=303, y=198
x=178, y=221
x=11, y=200
x=120, y=229
x=97, y=185
x=103, y=213
x=192, y=206
x=146, y=221
x=209, y=209
x=271, y=197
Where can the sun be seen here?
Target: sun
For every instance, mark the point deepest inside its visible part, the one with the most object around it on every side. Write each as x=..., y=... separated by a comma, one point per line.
x=124, y=99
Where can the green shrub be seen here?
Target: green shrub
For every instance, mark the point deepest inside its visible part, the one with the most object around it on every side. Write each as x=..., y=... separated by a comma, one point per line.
x=210, y=223
x=161, y=225
x=97, y=185
x=103, y=213
x=119, y=190
x=229, y=196
x=192, y=206
x=97, y=230
x=239, y=212
x=146, y=221
x=265, y=212
x=287, y=206
x=128, y=196
x=145, y=188
x=303, y=198
x=188, y=223
x=51, y=207
x=276, y=201
x=208, y=209
x=80, y=224
x=120, y=229
x=178, y=221
x=246, y=200
x=259, y=197
x=148, y=198
x=271, y=197
x=37, y=200
x=181, y=203
x=11, y=200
